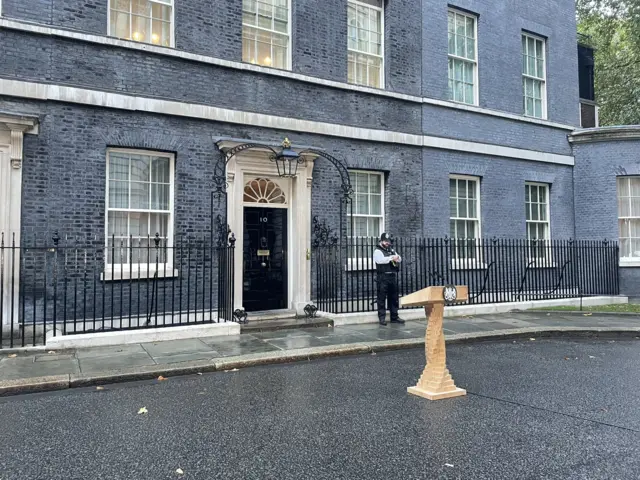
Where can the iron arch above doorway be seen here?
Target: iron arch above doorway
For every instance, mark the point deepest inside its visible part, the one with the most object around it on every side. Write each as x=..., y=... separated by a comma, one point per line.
x=274, y=154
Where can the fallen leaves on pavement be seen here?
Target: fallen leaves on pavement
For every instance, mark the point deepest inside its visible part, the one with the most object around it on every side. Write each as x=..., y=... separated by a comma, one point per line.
x=532, y=339
x=179, y=471
x=143, y=411
x=99, y=388
x=13, y=355
x=588, y=314
x=161, y=378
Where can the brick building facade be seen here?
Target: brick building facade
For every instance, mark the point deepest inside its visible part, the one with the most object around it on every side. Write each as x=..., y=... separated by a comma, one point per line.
x=429, y=105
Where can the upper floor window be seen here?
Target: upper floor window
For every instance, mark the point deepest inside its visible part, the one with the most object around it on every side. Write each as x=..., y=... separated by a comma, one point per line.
x=629, y=218
x=148, y=21
x=265, y=33
x=537, y=219
x=463, y=58
x=534, y=76
x=139, y=205
x=464, y=219
x=365, y=47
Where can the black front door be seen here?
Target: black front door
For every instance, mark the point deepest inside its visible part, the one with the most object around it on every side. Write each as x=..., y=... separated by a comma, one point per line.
x=265, y=259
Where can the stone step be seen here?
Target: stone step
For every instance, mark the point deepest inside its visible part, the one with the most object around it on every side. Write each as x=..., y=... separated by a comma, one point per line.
x=255, y=326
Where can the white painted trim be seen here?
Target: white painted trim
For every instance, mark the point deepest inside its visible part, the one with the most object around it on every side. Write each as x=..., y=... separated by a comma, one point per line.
x=497, y=150
x=605, y=134
x=115, y=42
x=246, y=166
x=96, y=98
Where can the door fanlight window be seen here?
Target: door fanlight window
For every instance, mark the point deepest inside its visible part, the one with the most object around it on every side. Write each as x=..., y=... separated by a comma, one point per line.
x=263, y=190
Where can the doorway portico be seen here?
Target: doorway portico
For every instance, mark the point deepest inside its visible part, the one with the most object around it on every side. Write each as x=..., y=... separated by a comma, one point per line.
x=271, y=218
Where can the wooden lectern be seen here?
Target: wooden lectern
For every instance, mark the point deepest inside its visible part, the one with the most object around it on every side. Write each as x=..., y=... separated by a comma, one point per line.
x=435, y=382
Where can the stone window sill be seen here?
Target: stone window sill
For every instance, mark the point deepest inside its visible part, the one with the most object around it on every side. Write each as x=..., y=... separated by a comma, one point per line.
x=629, y=262
x=116, y=274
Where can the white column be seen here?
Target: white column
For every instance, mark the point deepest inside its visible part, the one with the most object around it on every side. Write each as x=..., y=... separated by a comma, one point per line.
x=302, y=264
x=10, y=211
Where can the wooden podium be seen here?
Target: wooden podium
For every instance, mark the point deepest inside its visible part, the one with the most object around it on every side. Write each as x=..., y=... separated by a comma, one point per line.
x=435, y=382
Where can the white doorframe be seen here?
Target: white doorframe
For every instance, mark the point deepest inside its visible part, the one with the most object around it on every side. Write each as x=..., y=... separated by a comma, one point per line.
x=246, y=166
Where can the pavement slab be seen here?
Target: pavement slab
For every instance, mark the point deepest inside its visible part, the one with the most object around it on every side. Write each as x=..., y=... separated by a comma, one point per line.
x=289, y=345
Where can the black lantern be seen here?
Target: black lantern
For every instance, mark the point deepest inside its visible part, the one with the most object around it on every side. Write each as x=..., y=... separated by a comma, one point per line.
x=287, y=160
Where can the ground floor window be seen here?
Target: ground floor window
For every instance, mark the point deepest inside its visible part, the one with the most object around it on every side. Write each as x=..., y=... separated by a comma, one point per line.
x=464, y=217
x=537, y=219
x=629, y=217
x=139, y=206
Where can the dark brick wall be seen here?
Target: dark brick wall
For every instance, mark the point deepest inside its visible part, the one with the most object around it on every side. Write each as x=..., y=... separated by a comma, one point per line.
x=500, y=27
x=502, y=190
x=597, y=167
x=132, y=72
x=475, y=127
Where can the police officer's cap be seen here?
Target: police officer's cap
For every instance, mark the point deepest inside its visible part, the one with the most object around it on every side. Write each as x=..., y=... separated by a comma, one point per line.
x=385, y=237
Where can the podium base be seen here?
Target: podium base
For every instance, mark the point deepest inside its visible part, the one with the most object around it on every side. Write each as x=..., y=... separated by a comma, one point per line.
x=458, y=392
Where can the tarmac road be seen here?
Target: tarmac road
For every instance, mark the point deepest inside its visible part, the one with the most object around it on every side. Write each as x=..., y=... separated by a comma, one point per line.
x=556, y=409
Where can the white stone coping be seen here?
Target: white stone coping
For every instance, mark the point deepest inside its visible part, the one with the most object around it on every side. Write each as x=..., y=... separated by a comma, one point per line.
x=605, y=134
x=98, y=98
x=470, y=310
x=103, y=339
x=170, y=52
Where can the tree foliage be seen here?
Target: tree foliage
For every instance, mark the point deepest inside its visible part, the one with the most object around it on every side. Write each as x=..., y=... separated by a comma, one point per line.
x=614, y=30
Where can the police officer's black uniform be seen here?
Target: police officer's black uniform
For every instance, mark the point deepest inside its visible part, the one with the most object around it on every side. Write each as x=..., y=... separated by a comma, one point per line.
x=387, y=279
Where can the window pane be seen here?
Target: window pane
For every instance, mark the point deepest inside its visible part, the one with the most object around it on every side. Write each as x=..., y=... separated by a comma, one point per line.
x=159, y=197
x=375, y=183
x=118, y=194
x=139, y=196
x=624, y=207
x=118, y=167
x=140, y=168
x=462, y=208
x=160, y=169
x=360, y=226
x=453, y=207
x=635, y=206
x=362, y=183
x=376, y=204
x=623, y=186
x=635, y=187
x=117, y=224
x=374, y=227
x=362, y=205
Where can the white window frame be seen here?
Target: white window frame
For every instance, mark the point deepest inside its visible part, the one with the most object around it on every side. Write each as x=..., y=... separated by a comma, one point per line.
x=475, y=61
x=547, y=258
x=626, y=261
x=136, y=271
x=366, y=263
x=468, y=263
x=289, y=56
x=536, y=38
x=382, y=42
x=171, y=3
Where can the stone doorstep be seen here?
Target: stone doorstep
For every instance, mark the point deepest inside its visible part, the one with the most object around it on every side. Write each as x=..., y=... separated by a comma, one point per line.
x=150, y=372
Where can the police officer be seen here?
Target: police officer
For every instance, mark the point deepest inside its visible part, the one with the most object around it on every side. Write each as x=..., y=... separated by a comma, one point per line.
x=387, y=266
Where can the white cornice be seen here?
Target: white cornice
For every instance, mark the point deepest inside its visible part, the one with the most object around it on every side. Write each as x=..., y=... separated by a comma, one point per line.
x=170, y=52
x=605, y=134
x=96, y=98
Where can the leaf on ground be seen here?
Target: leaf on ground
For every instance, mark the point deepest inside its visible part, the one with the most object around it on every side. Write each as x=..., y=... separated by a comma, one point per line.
x=588, y=314
x=161, y=378
x=51, y=352
x=99, y=388
x=448, y=465
x=591, y=356
x=142, y=411
x=179, y=471
x=532, y=339
x=13, y=355
x=201, y=393
x=566, y=358
x=199, y=373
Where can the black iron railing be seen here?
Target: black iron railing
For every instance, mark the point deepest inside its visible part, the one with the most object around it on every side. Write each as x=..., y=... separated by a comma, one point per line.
x=496, y=270
x=54, y=286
